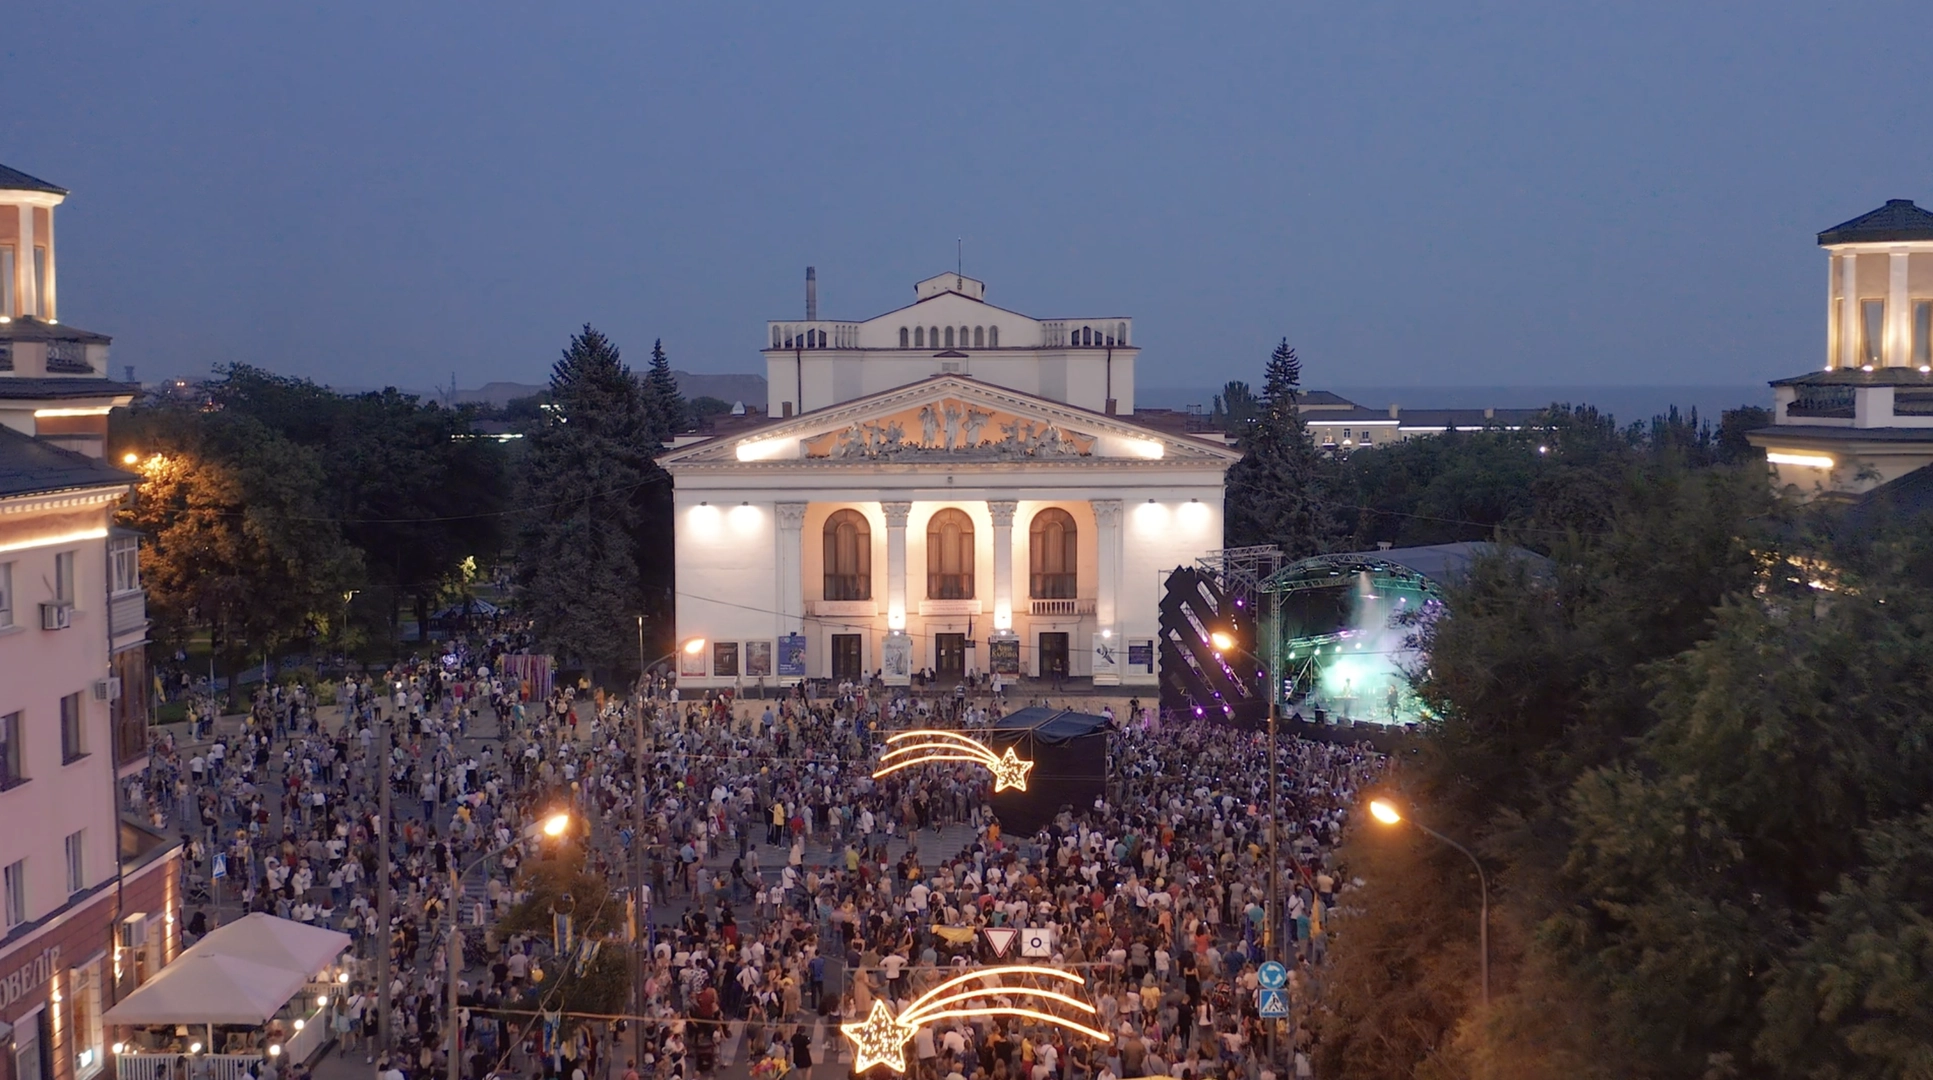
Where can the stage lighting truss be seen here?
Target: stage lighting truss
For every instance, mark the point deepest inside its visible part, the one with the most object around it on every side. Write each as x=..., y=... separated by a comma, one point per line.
x=925, y=746
x=881, y=1038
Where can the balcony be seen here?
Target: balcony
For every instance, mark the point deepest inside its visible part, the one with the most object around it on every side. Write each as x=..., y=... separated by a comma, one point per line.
x=821, y=334
x=1061, y=607
x=127, y=613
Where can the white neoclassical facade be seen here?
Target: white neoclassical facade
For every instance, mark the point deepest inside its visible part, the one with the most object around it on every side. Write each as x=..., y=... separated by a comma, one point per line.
x=964, y=509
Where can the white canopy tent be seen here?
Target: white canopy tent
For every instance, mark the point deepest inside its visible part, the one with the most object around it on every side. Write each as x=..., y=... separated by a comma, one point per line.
x=210, y=989
x=280, y=943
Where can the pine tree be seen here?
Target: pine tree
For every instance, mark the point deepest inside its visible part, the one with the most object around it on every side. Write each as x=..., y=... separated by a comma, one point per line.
x=590, y=463
x=669, y=411
x=1282, y=491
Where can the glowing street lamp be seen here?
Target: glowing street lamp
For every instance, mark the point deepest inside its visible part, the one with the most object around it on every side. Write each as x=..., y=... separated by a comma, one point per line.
x=1385, y=811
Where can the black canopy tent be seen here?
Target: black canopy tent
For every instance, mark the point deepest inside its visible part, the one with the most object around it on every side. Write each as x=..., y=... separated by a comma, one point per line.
x=1069, y=752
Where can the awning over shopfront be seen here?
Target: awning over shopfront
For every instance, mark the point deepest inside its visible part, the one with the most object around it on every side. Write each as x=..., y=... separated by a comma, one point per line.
x=210, y=989
x=279, y=943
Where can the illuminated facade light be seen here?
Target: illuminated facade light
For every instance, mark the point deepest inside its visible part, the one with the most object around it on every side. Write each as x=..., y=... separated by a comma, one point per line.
x=1814, y=461
x=926, y=746
x=881, y=1038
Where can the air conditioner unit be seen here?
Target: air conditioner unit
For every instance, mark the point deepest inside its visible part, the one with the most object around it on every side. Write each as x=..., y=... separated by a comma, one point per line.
x=56, y=616
x=108, y=689
x=134, y=931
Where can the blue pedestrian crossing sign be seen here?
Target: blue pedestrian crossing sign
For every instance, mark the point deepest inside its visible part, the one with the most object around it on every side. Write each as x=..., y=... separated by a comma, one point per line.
x=1272, y=975
x=221, y=866
x=1274, y=1004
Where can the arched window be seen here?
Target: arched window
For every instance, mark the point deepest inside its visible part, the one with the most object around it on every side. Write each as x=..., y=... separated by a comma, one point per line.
x=905, y=338
x=949, y=337
x=849, y=557
x=949, y=556
x=775, y=337
x=993, y=337
x=963, y=337
x=933, y=336
x=1120, y=333
x=1053, y=555
x=979, y=337
x=919, y=337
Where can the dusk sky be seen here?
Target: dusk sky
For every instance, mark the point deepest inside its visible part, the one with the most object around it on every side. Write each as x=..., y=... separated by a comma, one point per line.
x=1412, y=194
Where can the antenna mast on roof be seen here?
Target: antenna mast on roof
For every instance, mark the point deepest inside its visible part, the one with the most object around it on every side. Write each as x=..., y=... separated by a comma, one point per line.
x=959, y=257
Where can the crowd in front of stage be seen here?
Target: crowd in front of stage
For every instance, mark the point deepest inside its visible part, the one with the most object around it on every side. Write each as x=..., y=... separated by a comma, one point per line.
x=784, y=888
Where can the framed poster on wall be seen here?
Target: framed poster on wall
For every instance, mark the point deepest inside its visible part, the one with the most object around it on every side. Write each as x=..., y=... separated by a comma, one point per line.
x=1141, y=656
x=899, y=656
x=758, y=659
x=792, y=656
x=724, y=660
x=691, y=663
x=1003, y=656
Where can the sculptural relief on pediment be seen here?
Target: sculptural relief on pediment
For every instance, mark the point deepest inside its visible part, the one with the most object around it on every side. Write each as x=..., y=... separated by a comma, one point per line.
x=952, y=430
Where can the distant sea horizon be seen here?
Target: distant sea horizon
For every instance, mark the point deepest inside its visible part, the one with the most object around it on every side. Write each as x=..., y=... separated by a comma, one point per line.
x=1627, y=404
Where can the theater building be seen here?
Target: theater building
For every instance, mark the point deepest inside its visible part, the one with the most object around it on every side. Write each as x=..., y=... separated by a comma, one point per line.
x=950, y=486
x=1864, y=419
x=87, y=898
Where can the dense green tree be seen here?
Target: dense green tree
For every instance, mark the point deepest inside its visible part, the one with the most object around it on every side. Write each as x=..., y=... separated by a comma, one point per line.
x=239, y=540
x=670, y=415
x=1236, y=407
x=412, y=490
x=1283, y=491
x=590, y=460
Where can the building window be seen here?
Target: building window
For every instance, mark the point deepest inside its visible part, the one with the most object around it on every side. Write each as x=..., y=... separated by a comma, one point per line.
x=949, y=556
x=933, y=336
x=12, y=770
x=919, y=337
x=905, y=337
x=124, y=563
x=84, y=987
x=1120, y=333
x=72, y=728
x=1872, y=327
x=1053, y=544
x=76, y=863
x=6, y=595
x=848, y=556
x=776, y=337
x=6, y=356
x=64, y=577
x=979, y=337
x=1922, y=333
x=993, y=337
x=13, y=881
x=949, y=337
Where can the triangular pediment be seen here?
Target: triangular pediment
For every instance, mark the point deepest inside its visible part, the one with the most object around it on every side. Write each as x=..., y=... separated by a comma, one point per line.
x=948, y=420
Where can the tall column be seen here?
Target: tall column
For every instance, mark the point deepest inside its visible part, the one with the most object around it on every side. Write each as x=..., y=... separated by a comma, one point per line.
x=1107, y=579
x=51, y=298
x=896, y=513
x=1851, y=332
x=1002, y=510
x=1899, y=313
x=790, y=560
x=23, y=264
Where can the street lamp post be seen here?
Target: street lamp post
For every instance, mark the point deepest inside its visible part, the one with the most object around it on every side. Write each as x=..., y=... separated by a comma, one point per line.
x=1226, y=643
x=1384, y=811
x=552, y=826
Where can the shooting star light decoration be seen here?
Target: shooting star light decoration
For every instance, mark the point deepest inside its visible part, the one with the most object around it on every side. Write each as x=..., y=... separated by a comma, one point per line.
x=881, y=1038
x=926, y=746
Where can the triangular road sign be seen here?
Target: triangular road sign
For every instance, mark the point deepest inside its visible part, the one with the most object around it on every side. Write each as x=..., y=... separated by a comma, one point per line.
x=999, y=938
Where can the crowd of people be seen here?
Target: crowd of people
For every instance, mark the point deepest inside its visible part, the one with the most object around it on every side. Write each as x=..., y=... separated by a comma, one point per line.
x=779, y=888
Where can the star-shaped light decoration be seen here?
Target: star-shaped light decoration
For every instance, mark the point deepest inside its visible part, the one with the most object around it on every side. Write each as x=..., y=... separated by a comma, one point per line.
x=879, y=1039
x=926, y=746
x=1010, y=772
